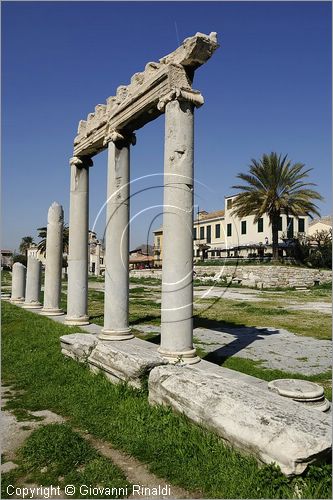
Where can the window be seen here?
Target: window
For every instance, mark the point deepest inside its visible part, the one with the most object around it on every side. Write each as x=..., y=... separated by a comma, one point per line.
x=260, y=225
x=194, y=233
x=158, y=242
x=229, y=229
x=229, y=204
x=301, y=225
x=202, y=233
x=102, y=260
x=280, y=224
x=217, y=230
x=243, y=227
x=213, y=253
x=209, y=234
x=290, y=227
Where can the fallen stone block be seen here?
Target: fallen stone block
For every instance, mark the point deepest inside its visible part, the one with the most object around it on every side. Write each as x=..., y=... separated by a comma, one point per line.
x=78, y=345
x=256, y=421
x=127, y=361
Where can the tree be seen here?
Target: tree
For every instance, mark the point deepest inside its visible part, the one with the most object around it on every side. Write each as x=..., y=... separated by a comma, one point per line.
x=275, y=186
x=26, y=241
x=42, y=232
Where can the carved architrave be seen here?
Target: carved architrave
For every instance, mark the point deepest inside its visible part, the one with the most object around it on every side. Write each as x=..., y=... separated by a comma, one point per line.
x=142, y=100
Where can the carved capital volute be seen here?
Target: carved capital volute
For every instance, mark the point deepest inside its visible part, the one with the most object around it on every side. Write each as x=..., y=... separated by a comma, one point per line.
x=81, y=162
x=119, y=137
x=192, y=96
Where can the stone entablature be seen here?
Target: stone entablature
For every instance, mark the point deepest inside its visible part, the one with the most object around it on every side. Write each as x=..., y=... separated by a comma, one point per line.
x=144, y=98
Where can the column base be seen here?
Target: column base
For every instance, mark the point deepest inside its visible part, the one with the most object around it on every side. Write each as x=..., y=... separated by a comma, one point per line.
x=17, y=301
x=180, y=357
x=82, y=321
x=33, y=305
x=52, y=312
x=115, y=334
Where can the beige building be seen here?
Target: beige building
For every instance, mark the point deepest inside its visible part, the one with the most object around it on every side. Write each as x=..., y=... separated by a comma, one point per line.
x=318, y=225
x=220, y=234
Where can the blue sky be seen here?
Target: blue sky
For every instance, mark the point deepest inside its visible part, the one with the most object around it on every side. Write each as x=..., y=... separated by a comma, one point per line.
x=267, y=88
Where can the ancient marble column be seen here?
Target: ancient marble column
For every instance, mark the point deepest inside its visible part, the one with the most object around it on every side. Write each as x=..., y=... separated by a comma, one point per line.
x=53, y=264
x=18, y=283
x=177, y=270
x=33, y=285
x=98, y=260
x=116, y=299
x=77, y=291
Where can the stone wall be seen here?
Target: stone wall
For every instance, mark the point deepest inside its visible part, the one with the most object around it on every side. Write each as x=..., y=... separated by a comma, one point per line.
x=260, y=276
x=264, y=276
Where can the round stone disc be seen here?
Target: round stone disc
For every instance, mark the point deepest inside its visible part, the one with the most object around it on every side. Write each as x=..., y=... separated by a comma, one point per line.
x=296, y=389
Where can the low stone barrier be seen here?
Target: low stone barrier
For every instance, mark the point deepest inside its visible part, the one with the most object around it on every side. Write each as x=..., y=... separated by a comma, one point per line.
x=256, y=421
x=127, y=361
x=260, y=276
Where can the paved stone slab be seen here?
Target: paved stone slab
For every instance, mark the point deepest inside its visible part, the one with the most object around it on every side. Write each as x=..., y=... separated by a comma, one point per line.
x=272, y=428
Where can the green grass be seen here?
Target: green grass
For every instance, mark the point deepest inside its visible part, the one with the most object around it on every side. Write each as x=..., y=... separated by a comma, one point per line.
x=56, y=455
x=255, y=369
x=173, y=448
x=263, y=314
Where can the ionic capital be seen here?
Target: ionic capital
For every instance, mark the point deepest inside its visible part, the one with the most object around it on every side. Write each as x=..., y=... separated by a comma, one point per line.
x=192, y=96
x=81, y=162
x=116, y=136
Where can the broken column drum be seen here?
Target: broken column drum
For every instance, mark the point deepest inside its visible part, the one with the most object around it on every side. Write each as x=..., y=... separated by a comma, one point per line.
x=18, y=283
x=163, y=87
x=33, y=285
x=53, y=265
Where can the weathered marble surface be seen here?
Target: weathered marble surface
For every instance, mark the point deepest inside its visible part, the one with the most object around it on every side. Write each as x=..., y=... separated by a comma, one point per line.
x=136, y=104
x=272, y=428
x=53, y=265
x=127, y=361
x=19, y=273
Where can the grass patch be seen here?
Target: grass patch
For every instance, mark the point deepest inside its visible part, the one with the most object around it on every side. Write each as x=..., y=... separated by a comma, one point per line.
x=255, y=369
x=145, y=281
x=173, y=448
x=227, y=312
x=56, y=455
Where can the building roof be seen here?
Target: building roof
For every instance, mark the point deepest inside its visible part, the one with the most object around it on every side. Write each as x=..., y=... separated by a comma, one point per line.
x=327, y=220
x=211, y=215
x=141, y=258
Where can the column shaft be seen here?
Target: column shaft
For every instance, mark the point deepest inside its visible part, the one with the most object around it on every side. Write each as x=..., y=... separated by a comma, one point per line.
x=98, y=260
x=116, y=256
x=77, y=292
x=53, y=265
x=177, y=268
x=33, y=285
x=18, y=282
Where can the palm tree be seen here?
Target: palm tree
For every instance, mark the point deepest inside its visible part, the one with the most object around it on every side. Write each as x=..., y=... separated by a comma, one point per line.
x=275, y=186
x=42, y=232
x=26, y=241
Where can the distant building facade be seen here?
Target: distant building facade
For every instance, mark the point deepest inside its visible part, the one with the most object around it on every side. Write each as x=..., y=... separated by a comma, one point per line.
x=6, y=259
x=220, y=234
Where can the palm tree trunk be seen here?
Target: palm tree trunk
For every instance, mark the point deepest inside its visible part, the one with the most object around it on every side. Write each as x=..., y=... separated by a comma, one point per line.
x=275, y=237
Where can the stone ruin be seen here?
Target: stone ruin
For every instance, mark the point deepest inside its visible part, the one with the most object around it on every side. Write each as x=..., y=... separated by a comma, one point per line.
x=272, y=423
